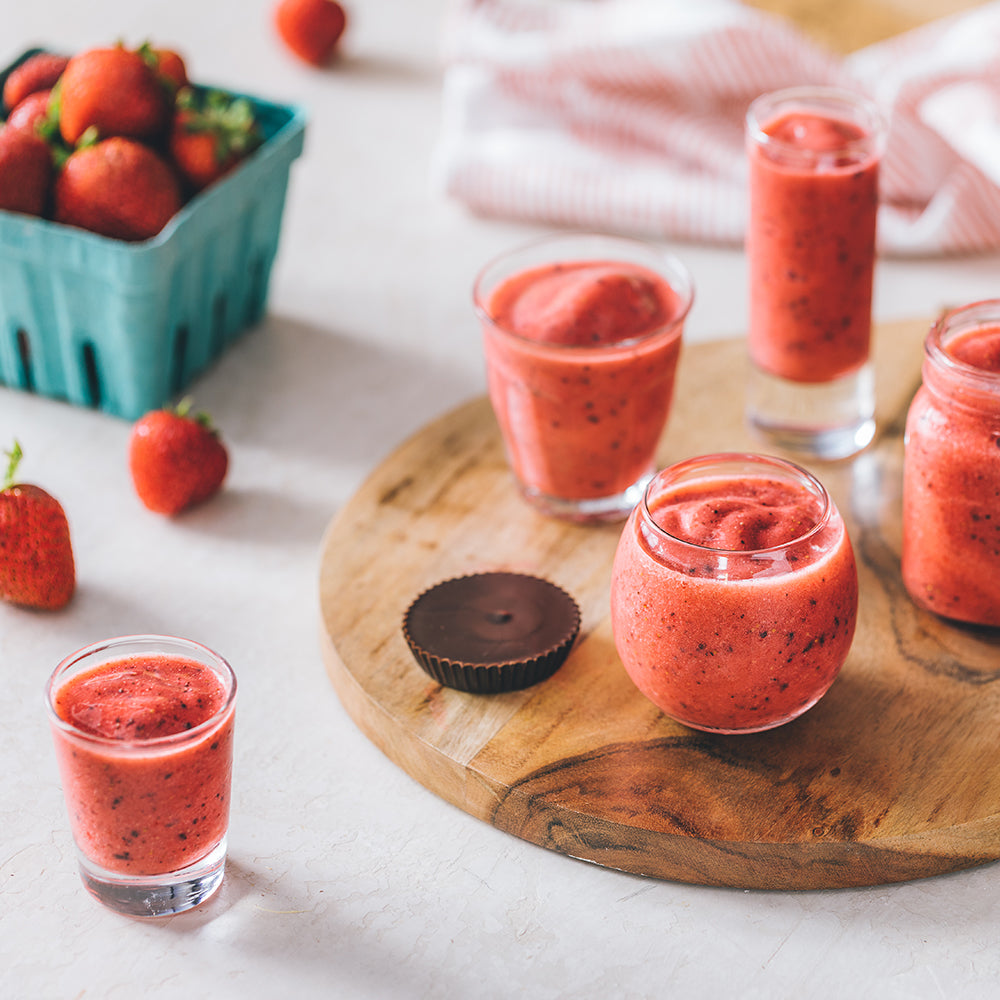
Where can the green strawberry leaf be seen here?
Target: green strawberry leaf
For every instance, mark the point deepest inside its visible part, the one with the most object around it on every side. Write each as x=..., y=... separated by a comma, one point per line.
x=15, y=455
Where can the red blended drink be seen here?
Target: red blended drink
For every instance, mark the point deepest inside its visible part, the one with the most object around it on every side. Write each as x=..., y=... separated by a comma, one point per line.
x=734, y=592
x=582, y=335
x=814, y=157
x=143, y=730
x=951, y=471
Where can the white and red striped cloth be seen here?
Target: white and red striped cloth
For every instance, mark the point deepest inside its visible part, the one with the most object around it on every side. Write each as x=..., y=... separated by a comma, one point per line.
x=627, y=116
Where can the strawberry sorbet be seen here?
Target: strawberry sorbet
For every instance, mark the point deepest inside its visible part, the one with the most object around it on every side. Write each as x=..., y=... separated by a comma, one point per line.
x=811, y=244
x=144, y=745
x=734, y=593
x=951, y=477
x=581, y=355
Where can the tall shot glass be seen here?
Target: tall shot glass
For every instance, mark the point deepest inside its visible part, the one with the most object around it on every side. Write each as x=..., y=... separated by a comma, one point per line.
x=582, y=334
x=143, y=733
x=814, y=156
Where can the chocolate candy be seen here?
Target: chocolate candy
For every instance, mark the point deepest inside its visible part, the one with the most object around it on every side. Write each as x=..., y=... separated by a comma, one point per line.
x=491, y=632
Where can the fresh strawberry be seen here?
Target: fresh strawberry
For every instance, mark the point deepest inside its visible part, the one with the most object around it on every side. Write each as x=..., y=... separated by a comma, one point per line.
x=113, y=91
x=311, y=28
x=211, y=133
x=30, y=112
x=25, y=171
x=36, y=557
x=169, y=66
x=176, y=459
x=118, y=188
x=37, y=72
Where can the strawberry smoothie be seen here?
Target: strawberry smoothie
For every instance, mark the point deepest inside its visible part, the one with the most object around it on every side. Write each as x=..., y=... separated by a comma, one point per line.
x=144, y=742
x=734, y=593
x=951, y=477
x=814, y=170
x=582, y=337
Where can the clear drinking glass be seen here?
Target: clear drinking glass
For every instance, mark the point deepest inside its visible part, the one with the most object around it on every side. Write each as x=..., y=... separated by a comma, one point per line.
x=143, y=732
x=734, y=592
x=814, y=155
x=951, y=470
x=581, y=335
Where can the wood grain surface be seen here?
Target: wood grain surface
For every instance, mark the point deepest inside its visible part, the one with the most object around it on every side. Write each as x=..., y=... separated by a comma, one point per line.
x=893, y=775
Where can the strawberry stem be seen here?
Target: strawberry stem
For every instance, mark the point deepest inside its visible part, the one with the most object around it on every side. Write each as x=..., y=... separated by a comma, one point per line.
x=15, y=455
x=230, y=120
x=183, y=409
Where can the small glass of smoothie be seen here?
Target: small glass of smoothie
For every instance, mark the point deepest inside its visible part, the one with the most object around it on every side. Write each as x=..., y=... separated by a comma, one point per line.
x=951, y=470
x=734, y=592
x=143, y=731
x=581, y=335
x=814, y=156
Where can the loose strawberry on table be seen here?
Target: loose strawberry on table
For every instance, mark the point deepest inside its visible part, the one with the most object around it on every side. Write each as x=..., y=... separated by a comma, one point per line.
x=37, y=569
x=311, y=28
x=176, y=459
x=117, y=187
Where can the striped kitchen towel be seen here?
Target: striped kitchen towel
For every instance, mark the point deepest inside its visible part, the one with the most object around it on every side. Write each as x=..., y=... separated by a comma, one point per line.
x=627, y=116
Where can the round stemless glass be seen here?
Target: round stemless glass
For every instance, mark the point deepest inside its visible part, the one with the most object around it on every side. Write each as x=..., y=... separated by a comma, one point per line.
x=581, y=422
x=149, y=816
x=735, y=640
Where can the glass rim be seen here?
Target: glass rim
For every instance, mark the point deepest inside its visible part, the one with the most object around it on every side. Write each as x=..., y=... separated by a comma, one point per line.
x=958, y=320
x=677, y=276
x=851, y=101
x=734, y=457
x=155, y=743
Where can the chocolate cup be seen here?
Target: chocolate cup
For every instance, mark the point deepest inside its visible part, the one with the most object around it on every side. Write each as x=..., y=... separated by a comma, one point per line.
x=491, y=632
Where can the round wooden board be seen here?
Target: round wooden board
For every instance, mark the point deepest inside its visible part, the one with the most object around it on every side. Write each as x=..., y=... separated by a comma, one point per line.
x=893, y=775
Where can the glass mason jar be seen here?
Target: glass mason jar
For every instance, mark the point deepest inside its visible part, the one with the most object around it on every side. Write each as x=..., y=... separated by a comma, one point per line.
x=951, y=470
x=734, y=592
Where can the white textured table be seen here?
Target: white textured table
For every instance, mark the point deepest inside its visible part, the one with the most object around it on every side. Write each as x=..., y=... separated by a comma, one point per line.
x=346, y=878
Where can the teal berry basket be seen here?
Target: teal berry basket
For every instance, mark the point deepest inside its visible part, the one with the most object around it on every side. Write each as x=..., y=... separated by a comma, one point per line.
x=124, y=328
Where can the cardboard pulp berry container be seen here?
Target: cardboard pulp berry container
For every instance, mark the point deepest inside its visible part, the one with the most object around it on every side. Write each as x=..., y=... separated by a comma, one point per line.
x=125, y=327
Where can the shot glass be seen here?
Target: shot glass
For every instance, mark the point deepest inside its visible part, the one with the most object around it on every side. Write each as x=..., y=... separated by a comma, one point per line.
x=734, y=592
x=814, y=155
x=581, y=334
x=143, y=733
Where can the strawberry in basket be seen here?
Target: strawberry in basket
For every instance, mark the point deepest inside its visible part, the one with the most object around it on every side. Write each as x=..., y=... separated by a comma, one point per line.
x=129, y=139
x=211, y=133
x=114, y=91
x=25, y=171
x=116, y=187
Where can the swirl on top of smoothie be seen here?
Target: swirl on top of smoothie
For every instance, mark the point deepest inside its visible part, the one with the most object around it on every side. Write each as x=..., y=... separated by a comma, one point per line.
x=583, y=303
x=979, y=347
x=737, y=514
x=829, y=139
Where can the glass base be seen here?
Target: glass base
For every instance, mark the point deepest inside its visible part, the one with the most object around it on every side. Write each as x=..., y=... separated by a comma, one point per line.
x=156, y=895
x=821, y=420
x=749, y=730
x=593, y=510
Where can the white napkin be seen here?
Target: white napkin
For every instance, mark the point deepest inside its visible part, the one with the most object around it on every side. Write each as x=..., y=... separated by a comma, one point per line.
x=627, y=116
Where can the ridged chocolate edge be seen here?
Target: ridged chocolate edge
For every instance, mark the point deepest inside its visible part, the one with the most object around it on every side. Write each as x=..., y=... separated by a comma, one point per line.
x=493, y=678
